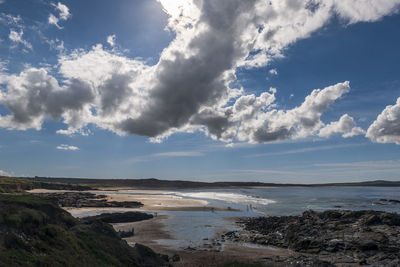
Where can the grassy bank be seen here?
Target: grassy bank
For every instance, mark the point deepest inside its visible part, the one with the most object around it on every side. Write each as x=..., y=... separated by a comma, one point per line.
x=34, y=231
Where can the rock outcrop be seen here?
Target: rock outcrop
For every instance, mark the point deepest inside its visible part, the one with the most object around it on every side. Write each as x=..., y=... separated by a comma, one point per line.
x=123, y=217
x=337, y=236
x=85, y=199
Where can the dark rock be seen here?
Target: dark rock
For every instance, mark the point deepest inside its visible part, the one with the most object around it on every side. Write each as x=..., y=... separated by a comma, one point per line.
x=176, y=258
x=125, y=234
x=390, y=200
x=130, y=216
x=85, y=199
x=371, y=237
x=369, y=246
x=149, y=258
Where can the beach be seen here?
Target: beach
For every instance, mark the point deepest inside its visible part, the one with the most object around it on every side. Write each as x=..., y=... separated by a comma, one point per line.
x=212, y=253
x=201, y=226
x=152, y=200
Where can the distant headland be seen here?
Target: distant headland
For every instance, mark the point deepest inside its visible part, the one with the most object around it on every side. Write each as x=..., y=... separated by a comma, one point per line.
x=152, y=183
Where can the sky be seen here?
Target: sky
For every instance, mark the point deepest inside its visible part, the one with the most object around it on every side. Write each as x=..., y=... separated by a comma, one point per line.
x=286, y=91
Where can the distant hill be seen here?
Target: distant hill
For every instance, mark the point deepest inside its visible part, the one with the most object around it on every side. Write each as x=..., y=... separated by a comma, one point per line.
x=153, y=183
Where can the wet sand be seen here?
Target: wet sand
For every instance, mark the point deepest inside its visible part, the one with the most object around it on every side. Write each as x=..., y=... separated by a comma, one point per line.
x=150, y=231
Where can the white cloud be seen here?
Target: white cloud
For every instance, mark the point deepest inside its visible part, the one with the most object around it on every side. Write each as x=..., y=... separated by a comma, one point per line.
x=8, y=19
x=273, y=72
x=345, y=126
x=2, y=1
x=189, y=88
x=386, y=127
x=63, y=15
x=16, y=37
x=365, y=10
x=64, y=11
x=3, y=173
x=111, y=40
x=56, y=44
x=54, y=21
x=67, y=147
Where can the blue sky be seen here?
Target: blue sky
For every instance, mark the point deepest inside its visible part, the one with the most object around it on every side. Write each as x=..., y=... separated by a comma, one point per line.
x=200, y=90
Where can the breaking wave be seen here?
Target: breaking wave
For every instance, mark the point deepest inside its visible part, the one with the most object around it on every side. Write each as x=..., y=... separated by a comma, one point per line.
x=228, y=197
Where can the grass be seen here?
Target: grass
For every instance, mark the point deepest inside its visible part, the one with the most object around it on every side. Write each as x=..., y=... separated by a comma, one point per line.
x=34, y=231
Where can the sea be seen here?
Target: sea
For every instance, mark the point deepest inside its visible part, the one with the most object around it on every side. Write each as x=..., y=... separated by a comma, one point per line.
x=279, y=201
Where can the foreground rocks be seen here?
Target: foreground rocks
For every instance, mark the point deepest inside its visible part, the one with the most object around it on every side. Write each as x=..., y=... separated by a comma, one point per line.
x=335, y=237
x=84, y=199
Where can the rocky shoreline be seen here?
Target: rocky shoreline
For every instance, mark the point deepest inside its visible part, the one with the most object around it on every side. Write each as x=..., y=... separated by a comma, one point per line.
x=329, y=238
x=87, y=200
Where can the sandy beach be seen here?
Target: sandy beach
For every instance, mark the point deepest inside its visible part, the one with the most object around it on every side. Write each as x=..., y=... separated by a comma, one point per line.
x=213, y=253
x=153, y=200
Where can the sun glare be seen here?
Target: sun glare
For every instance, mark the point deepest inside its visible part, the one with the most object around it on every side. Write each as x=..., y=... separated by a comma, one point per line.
x=173, y=7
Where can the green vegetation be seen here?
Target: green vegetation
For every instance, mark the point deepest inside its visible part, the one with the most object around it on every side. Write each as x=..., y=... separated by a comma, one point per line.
x=19, y=185
x=13, y=185
x=34, y=231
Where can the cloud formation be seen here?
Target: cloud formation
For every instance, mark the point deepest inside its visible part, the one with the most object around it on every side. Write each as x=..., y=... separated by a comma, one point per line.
x=190, y=88
x=8, y=19
x=345, y=126
x=273, y=72
x=34, y=95
x=63, y=15
x=111, y=40
x=386, y=127
x=16, y=37
x=67, y=147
